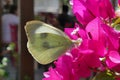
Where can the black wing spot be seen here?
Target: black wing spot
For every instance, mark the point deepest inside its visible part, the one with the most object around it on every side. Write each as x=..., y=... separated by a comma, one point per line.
x=43, y=35
x=46, y=45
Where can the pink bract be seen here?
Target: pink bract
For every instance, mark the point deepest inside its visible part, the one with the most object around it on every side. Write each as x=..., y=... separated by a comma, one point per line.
x=119, y=2
x=86, y=10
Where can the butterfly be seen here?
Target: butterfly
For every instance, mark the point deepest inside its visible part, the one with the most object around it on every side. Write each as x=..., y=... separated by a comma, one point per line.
x=45, y=42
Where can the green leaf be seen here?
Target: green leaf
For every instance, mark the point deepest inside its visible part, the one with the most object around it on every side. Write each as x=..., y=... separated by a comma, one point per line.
x=117, y=27
x=11, y=46
x=116, y=21
x=103, y=76
x=2, y=72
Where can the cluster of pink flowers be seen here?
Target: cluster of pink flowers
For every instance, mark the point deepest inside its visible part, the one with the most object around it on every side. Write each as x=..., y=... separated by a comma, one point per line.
x=99, y=50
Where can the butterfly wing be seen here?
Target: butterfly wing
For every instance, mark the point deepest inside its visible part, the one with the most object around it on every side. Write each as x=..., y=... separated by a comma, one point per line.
x=45, y=42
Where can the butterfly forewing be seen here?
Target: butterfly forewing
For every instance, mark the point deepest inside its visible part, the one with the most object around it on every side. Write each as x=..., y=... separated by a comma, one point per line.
x=46, y=43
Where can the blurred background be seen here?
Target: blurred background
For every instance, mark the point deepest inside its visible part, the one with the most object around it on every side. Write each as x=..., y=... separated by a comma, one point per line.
x=15, y=61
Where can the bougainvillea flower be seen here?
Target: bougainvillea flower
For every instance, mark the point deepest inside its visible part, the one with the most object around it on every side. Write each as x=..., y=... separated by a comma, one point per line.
x=80, y=67
x=86, y=10
x=119, y=2
x=104, y=34
x=76, y=32
x=112, y=37
x=106, y=9
x=69, y=31
x=81, y=12
x=97, y=36
x=52, y=75
x=117, y=78
x=63, y=69
x=116, y=68
x=113, y=61
x=70, y=67
x=113, y=58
